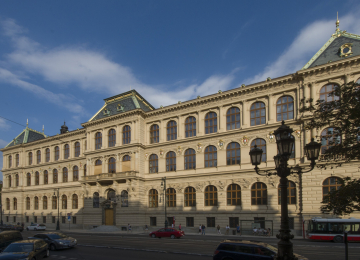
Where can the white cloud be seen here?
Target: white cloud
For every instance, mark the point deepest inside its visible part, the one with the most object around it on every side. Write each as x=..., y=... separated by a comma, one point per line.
x=3, y=124
x=305, y=45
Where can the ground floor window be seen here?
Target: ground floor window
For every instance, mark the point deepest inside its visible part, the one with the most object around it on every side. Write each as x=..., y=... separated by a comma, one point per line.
x=44, y=219
x=7, y=218
x=74, y=220
x=291, y=223
x=210, y=221
x=189, y=221
x=35, y=219
x=53, y=220
x=14, y=218
x=63, y=220
x=153, y=221
x=260, y=220
x=27, y=219
x=170, y=221
x=233, y=222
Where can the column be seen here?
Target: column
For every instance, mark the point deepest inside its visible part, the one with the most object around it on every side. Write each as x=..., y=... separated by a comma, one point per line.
x=270, y=109
x=181, y=127
x=201, y=124
x=245, y=115
x=222, y=119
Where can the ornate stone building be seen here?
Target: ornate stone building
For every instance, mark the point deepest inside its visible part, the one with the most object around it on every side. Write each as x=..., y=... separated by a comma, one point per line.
x=111, y=170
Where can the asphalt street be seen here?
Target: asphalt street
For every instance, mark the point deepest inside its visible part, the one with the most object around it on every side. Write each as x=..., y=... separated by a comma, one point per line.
x=197, y=247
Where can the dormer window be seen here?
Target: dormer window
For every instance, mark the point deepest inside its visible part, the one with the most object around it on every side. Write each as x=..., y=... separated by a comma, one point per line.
x=345, y=50
x=120, y=108
x=106, y=112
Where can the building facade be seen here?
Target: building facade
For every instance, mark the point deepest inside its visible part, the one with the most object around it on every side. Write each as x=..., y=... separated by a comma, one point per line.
x=111, y=172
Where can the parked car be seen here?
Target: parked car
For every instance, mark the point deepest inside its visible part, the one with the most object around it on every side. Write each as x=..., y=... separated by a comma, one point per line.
x=18, y=228
x=246, y=250
x=26, y=249
x=167, y=232
x=56, y=240
x=8, y=237
x=36, y=227
x=5, y=227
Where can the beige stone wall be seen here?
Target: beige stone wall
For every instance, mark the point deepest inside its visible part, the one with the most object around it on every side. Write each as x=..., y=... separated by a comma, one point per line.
x=134, y=177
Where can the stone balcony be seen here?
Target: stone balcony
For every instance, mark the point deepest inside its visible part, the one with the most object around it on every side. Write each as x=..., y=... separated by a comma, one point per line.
x=109, y=178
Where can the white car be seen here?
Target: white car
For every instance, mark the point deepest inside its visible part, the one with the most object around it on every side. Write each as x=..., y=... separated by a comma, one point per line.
x=36, y=227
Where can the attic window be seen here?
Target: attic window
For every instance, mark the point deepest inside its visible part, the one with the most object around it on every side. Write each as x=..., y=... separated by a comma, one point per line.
x=106, y=112
x=120, y=108
x=345, y=50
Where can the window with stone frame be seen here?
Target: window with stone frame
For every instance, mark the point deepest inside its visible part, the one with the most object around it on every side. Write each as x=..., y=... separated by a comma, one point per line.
x=284, y=108
x=28, y=179
x=96, y=200
x=190, y=197
x=45, y=202
x=153, y=198
x=258, y=194
x=55, y=176
x=38, y=156
x=291, y=193
x=171, y=130
x=210, y=123
x=190, y=159
x=64, y=202
x=330, y=184
x=171, y=197
x=124, y=198
x=233, y=195
x=98, y=140
x=326, y=90
x=37, y=178
x=112, y=165
x=17, y=157
x=210, y=196
x=153, y=163
x=54, y=202
x=233, y=118
x=210, y=156
x=65, y=175
x=171, y=161
x=126, y=134
x=261, y=144
x=27, y=203
x=190, y=126
x=75, y=173
x=36, y=203
x=16, y=180
x=233, y=153
x=77, y=149
x=111, y=138
x=210, y=221
x=46, y=177
x=57, y=153
x=30, y=158
x=10, y=161
x=257, y=114
x=154, y=134
x=47, y=155
x=75, y=201
x=15, y=204
x=66, y=151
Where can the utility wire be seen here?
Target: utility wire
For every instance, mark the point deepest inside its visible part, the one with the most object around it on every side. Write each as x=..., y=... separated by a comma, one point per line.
x=12, y=121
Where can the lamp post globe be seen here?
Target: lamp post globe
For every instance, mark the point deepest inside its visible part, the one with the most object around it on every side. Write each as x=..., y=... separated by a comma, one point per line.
x=312, y=150
x=256, y=155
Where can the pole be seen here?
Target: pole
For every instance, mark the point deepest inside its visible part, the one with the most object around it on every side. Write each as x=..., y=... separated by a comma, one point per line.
x=346, y=246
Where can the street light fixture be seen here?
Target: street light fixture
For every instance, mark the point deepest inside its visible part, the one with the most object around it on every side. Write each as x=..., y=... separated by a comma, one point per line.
x=163, y=186
x=58, y=220
x=285, y=144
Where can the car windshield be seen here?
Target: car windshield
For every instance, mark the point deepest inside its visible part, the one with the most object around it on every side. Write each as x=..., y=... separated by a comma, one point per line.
x=56, y=236
x=19, y=248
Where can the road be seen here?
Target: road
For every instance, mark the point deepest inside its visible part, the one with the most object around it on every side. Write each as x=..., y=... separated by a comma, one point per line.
x=129, y=246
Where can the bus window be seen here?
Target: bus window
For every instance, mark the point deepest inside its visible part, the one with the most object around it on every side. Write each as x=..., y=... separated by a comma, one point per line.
x=355, y=229
x=336, y=228
x=321, y=228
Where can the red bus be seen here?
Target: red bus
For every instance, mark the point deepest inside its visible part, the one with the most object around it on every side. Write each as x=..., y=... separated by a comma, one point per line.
x=332, y=229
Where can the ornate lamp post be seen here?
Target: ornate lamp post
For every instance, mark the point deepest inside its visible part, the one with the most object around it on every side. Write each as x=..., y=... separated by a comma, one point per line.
x=163, y=185
x=285, y=144
x=58, y=220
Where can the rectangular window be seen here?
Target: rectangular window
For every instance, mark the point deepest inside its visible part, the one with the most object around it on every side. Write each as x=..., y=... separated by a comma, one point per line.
x=291, y=223
x=189, y=221
x=233, y=222
x=44, y=219
x=17, y=160
x=170, y=221
x=47, y=152
x=210, y=221
x=260, y=220
x=63, y=220
x=74, y=220
x=7, y=218
x=27, y=219
x=14, y=219
x=53, y=220
x=35, y=219
x=153, y=221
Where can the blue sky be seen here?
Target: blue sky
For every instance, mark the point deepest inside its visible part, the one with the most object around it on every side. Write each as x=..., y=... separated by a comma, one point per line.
x=60, y=59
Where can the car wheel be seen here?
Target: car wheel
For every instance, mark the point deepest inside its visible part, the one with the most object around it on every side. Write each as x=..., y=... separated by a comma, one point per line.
x=47, y=253
x=172, y=237
x=338, y=239
x=153, y=236
x=52, y=247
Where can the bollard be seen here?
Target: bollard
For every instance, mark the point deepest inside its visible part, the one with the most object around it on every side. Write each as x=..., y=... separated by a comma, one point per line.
x=346, y=246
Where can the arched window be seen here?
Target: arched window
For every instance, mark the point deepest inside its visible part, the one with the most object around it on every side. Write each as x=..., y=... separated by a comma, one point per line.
x=37, y=178
x=45, y=202
x=233, y=195
x=27, y=203
x=30, y=158
x=10, y=179
x=257, y=114
x=55, y=176
x=233, y=118
x=124, y=198
x=330, y=184
x=210, y=196
x=47, y=155
x=111, y=195
x=65, y=174
x=153, y=198
x=233, y=153
x=258, y=194
x=171, y=197
x=38, y=156
x=126, y=158
x=54, y=202
x=98, y=140
x=291, y=193
x=153, y=163
x=98, y=167
x=126, y=134
x=190, y=159
x=77, y=149
x=98, y=162
x=154, y=134
x=190, y=197
x=326, y=90
x=96, y=200
x=170, y=161
x=74, y=201
x=16, y=180
x=10, y=161
x=36, y=203
x=64, y=202
x=210, y=123
x=285, y=108
x=84, y=169
x=190, y=126
x=210, y=156
x=112, y=138
x=329, y=137
x=261, y=144
x=57, y=153
x=112, y=165
x=75, y=173
x=66, y=151
x=7, y=204
x=17, y=158
x=28, y=179
x=46, y=177
x=171, y=130
x=15, y=203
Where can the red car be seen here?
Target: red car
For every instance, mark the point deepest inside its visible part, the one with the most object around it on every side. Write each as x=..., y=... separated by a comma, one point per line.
x=167, y=232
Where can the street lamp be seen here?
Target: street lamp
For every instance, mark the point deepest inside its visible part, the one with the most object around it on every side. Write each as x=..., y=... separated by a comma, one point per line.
x=58, y=220
x=285, y=144
x=163, y=185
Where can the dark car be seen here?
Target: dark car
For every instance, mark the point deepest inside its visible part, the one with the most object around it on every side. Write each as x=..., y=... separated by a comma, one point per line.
x=167, y=232
x=8, y=237
x=18, y=228
x=31, y=249
x=5, y=227
x=246, y=250
x=56, y=240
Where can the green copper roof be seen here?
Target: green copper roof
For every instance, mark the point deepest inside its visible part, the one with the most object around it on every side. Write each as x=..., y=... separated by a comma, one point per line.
x=26, y=136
